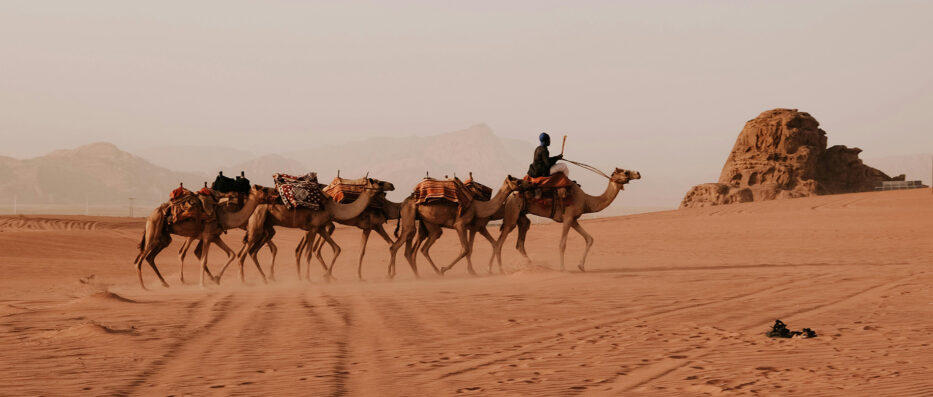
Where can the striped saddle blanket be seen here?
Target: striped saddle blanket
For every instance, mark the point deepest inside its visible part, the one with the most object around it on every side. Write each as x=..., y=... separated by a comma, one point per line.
x=346, y=190
x=300, y=191
x=451, y=190
x=480, y=191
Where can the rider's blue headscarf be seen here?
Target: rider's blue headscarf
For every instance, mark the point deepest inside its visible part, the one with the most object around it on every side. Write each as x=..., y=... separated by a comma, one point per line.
x=543, y=136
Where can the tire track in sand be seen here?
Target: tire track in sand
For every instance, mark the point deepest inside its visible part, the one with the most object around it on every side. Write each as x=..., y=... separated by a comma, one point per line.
x=659, y=370
x=582, y=327
x=218, y=311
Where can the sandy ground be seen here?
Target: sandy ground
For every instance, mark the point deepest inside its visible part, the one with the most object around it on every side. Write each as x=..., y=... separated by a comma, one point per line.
x=675, y=303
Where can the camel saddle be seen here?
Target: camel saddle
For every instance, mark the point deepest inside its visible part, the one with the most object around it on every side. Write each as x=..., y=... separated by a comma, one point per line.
x=300, y=191
x=550, y=191
x=451, y=191
x=346, y=191
x=183, y=205
x=225, y=184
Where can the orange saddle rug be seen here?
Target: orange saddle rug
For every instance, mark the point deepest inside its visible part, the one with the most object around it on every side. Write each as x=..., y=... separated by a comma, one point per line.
x=451, y=190
x=555, y=181
x=346, y=190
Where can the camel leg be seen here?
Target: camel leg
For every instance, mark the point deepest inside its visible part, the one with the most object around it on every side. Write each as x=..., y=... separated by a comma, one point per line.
x=565, y=229
x=149, y=257
x=254, y=256
x=507, y=226
x=589, y=242
x=492, y=242
x=301, y=245
x=240, y=257
x=464, y=248
x=523, y=225
x=275, y=250
x=182, y=252
x=319, y=254
x=359, y=267
x=434, y=232
x=333, y=245
x=404, y=237
x=470, y=239
x=207, y=246
x=229, y=251
x=231, y=256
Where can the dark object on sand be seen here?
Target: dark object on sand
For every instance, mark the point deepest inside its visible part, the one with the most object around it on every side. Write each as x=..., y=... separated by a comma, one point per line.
x=779, y=330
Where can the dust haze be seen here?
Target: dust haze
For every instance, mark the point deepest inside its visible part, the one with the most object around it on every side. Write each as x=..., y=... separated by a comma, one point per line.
x=662, y=87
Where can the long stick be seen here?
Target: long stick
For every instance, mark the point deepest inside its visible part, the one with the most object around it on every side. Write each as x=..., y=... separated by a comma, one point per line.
x=563, y=144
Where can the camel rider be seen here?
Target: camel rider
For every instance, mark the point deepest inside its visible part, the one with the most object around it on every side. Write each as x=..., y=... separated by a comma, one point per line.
x=543, y=164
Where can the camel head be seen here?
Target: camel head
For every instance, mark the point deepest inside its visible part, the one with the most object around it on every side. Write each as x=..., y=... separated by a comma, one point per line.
x=512, y=184
x=265, y=195
x=621, y=177
x=381, y=186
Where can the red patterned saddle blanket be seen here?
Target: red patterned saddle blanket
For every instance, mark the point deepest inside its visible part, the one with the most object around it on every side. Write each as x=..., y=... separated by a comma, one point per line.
x=300, y=191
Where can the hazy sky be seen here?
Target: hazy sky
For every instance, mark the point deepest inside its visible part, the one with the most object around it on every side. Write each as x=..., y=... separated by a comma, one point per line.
x=661, y=85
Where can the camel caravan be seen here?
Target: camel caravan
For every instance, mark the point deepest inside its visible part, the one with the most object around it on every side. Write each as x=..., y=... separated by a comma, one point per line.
x=301, y=202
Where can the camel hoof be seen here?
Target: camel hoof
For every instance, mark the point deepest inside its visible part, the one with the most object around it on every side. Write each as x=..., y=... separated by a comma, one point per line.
x=581, y=268
x=164, y=284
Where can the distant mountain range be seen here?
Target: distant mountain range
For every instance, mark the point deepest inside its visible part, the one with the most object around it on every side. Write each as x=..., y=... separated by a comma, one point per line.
x=98, y=173
x=103, y=174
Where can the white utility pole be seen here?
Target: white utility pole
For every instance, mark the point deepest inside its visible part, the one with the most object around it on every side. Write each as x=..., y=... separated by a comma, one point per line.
x=131, y=207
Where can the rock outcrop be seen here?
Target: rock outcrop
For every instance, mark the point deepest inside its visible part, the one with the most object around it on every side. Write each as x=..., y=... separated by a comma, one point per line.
x=782, y=154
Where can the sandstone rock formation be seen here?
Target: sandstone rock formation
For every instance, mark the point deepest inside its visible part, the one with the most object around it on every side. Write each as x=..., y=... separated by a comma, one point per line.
x=782, y=154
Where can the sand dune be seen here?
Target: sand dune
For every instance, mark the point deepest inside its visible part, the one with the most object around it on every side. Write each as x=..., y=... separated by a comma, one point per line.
x=675, y=303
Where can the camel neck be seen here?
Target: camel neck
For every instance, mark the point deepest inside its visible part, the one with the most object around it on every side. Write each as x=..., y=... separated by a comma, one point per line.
x=343, y=212
x=391, y=210
x=598, y=203
x=485, y=209
x=239, y=218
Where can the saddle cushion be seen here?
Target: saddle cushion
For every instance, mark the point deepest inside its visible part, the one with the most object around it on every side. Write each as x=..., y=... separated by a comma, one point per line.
x=179, y=192
x=184, y=208
x=300, y=191
x=346, y=190
x=556, y=181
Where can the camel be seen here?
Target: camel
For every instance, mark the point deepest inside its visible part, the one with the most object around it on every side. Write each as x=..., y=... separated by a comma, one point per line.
x=370, y=220
x=478, y=225
x=313, y=221
x=580, y=203
x=157, y=234
x=438, y=214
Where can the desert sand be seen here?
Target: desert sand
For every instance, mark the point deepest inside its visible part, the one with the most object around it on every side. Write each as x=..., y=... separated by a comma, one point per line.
x=674, y=303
